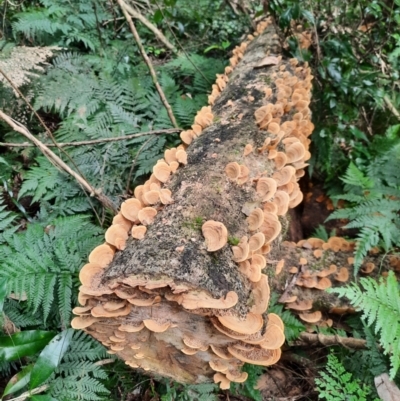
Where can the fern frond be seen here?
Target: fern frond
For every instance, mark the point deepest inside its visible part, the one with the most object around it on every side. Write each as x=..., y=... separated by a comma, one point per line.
x=379, y=304
x=356, y=177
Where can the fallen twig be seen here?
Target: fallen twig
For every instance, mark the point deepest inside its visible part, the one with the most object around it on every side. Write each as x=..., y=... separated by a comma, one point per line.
x=135, y=14
x=329, y=340
x=148, y=62
x=95, y=141
x=16, y=126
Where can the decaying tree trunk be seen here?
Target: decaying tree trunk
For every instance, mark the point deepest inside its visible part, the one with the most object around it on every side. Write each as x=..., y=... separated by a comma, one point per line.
x=181, y=302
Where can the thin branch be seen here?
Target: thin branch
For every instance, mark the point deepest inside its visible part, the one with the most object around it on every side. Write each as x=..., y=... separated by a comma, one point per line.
x=94, y=141
x=29, y=393
x=391, y=107
x=49, y=133
x=148, y=62
x=56, y=160
x=329, y=340
x=135, y=14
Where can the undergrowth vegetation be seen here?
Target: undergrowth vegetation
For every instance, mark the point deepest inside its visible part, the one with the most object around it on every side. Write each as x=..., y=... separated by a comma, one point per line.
x=96, y=91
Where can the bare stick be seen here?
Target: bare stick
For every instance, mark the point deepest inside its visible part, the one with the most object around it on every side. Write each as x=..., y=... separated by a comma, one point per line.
x=391, y=107
x=94, y=141
x=329, y=340
x=49, y=133
x=135, y=14
x=56, y=160
x=148, y=62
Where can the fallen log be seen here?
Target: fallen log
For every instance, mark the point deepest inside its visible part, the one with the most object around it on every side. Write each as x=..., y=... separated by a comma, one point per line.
x=181, y=286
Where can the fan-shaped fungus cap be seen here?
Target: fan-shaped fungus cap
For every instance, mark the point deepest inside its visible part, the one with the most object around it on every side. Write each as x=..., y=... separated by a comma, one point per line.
x=138, y=232
x=99, y=311
x=130, y=209
x=368, y=268
x=247, y=149
x=232, y=170
x=189, y=351
x=241, y=251
x=295, y=152
x=255, y=219
x=270, y=207
x=82, y=310
x=281, y=199
x=342, y=275
x=323, y=284
x=187, y=136
x=154, y=325
x=271, y=227
x=170, y=155
x=326, y=272
x=216, y=235
x=274, y=337
x=81, y=322
x=151, y=197
x=88, y=272
x=262, y=112
x=251, y=324
x=266, y=188
x=102, y=255
x=181, y=155
x=192, y=342
x=200, y=299
x=280, y=160
x=279, y=266
x=117, y=235
x=131, y=328
x=144, y=301
x=258, y=356
x=284, y=175
x=224, y=383
x=122, y=221
x=289, y=300
x=236, y=376
x=146, y=215
x=300, y=305
x=311, y=317
x=222, y=352
x=252, y=273
x=256, y=241
x=318, y=253
x=166, y=196
x=261, y=293
x=219, y=365
x=243, y=176
x=162, y=171
x=114, y=305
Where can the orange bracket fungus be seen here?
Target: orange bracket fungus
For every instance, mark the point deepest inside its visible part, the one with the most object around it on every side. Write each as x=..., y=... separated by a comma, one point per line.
x=216, y=235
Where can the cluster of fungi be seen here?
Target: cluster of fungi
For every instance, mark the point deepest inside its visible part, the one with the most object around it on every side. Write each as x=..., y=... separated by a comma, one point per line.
x=134, y=314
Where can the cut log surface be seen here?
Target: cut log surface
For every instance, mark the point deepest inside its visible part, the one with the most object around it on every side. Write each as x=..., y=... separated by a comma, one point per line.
x=189, y=300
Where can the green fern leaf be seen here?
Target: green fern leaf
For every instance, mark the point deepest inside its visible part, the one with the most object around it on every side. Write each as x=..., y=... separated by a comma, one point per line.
x=379, y=304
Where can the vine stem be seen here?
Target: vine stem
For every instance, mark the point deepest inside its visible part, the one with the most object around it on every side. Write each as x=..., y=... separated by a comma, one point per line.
x=18, y=127
x=148, y=62
x=95, y=141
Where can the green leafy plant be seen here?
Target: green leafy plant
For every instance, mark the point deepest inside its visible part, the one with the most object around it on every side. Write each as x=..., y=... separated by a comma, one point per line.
x=41, y=266
x=336, y=384
x=373, y=204
x=379, y=304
